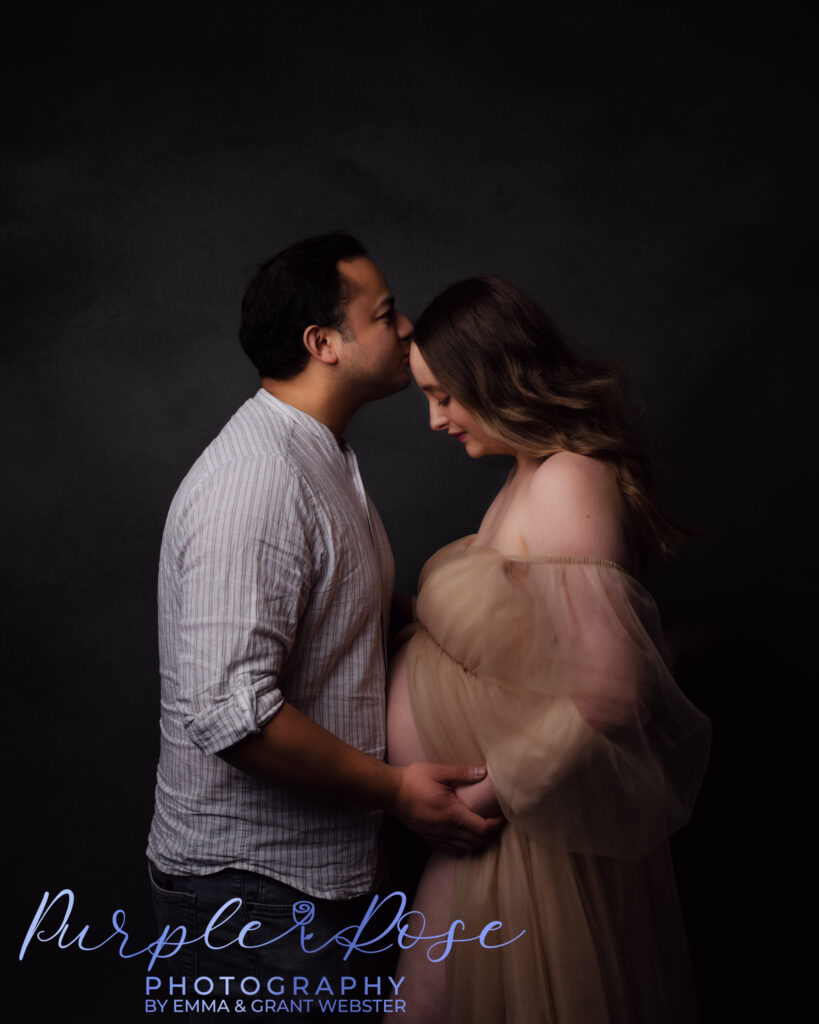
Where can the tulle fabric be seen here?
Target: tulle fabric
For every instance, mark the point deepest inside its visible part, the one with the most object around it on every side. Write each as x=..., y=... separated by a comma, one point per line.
x=550, y=672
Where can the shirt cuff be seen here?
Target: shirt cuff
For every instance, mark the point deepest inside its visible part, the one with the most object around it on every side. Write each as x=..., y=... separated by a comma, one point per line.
x=233, y=717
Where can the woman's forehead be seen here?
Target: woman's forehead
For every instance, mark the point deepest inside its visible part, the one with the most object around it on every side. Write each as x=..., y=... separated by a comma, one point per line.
x=424, y=377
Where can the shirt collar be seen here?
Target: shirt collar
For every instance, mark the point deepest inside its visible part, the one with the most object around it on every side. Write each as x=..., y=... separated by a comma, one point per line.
x=318, y=430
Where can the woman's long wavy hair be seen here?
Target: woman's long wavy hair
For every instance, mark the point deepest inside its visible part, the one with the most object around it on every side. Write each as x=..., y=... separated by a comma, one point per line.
x=503, y=358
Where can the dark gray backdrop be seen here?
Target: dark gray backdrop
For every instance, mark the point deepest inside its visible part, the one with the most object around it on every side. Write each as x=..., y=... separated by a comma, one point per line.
x=644, y=173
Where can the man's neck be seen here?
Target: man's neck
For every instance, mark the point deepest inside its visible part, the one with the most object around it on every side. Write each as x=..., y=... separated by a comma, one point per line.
x=317, y=402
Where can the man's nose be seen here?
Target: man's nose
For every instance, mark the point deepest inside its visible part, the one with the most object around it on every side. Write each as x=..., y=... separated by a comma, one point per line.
x=406, y=328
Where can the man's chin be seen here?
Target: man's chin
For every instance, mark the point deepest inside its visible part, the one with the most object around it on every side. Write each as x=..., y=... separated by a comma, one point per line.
x=392, y=386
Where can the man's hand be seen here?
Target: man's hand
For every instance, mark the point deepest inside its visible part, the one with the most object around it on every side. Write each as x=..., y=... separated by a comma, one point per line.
x=426, y=802
x=294, y=750
x=480, y=797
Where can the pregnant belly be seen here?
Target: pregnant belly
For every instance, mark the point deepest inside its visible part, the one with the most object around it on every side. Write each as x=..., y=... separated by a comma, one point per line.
x=403, y=745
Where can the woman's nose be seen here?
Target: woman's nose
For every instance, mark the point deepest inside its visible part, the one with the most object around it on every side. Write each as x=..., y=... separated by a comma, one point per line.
x=438, y=418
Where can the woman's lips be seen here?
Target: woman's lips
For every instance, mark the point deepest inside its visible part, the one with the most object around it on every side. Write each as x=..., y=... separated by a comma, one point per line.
x=461, y=437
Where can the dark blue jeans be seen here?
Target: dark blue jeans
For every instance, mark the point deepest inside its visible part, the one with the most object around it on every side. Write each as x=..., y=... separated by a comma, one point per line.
x=264, y=977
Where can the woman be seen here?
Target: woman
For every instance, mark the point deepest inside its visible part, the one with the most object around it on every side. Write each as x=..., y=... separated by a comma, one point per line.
x=538, y=652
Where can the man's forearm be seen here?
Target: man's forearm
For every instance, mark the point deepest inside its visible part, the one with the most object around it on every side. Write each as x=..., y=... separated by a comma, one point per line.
x=293, y=749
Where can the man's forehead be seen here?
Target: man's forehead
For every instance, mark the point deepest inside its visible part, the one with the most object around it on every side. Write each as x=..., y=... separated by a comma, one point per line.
x=362, y=277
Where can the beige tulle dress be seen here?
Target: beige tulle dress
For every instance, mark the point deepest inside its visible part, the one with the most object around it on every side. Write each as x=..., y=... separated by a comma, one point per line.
x=550, y=671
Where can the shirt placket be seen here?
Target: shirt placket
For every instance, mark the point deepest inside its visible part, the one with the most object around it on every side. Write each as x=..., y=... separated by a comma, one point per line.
x=354, y=475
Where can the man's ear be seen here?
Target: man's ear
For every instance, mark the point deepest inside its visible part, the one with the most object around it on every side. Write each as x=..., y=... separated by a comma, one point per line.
x=319, y=343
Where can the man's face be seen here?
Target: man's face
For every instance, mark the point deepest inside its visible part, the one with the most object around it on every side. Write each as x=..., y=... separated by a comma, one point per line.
x=374, y=356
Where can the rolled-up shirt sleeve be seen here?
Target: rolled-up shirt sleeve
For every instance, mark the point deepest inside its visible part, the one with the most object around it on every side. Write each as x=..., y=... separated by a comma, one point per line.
x=246, y=565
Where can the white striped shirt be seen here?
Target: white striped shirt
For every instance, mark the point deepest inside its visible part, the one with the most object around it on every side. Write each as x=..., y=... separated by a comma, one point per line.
x=275, y=580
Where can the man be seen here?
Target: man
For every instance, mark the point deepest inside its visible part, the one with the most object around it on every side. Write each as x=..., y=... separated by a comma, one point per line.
x=275, y=582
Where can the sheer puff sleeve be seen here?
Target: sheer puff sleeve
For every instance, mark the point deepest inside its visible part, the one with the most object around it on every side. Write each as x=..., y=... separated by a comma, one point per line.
x=550, y=671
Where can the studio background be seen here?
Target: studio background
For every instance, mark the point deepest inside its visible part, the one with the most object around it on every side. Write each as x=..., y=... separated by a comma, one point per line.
x=642, y=172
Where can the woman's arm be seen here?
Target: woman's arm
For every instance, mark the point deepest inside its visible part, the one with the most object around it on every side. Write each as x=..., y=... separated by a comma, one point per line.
x=575, y=509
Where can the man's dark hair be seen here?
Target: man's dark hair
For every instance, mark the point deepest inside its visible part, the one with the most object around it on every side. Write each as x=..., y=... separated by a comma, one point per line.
x=298, y=287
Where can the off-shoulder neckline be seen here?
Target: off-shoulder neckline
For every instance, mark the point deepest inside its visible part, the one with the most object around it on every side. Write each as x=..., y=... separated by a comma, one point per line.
x=469, y=544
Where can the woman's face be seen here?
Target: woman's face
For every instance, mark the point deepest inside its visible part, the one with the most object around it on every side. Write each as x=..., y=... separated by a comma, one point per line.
x=445, y=413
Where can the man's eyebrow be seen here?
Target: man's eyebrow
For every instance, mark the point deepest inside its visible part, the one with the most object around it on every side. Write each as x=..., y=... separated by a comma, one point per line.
x=385, y=302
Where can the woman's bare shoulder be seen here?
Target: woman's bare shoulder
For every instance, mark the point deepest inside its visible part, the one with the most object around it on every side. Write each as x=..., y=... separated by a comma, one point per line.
x=574, y=508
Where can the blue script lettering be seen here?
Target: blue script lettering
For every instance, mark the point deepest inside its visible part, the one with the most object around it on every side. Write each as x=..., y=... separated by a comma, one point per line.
x=408, y=925
x=351, y=938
